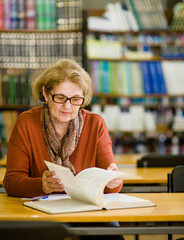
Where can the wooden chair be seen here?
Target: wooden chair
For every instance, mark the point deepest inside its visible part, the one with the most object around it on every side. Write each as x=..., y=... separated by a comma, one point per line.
x=29, y=230
x=175, y=183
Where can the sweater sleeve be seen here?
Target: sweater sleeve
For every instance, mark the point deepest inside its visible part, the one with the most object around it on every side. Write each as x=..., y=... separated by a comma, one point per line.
x=104, y=152
x=18, y=180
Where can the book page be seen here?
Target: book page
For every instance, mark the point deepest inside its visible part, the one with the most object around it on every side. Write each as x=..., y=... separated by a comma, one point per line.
x=117, y=200
x=71, y=185
x=88, y=185
x=61, y=206
x=93, y=181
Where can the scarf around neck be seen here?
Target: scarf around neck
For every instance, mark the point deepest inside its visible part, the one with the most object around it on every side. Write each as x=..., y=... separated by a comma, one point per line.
x=60, y=149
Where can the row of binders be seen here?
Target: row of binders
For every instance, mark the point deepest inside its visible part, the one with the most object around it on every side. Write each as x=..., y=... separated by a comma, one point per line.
x=41, y=14
x=38, y=50
x=137, y=78
x=15, y=87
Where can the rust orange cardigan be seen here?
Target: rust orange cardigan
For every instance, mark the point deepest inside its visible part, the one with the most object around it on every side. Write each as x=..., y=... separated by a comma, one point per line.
x=27, y=152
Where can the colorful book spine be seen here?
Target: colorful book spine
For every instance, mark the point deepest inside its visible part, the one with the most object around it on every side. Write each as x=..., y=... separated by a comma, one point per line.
x=106, y=77
x=40, y=15
x=62, y=14
x=128, y=78
x=131, y=3
x=39, y=50
x=12, y=89
x=146, y=78
x=30, y=12
x=69, y=14
x=162, y=83
x=1, y=14
x=153, y=79
x=6, y=15
x=21, y=14
x=14, y=14
x=50, y=14
x=2, y=130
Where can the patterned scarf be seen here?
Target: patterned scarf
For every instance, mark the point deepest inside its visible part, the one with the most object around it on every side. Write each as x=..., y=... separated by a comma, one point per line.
x=60, y=149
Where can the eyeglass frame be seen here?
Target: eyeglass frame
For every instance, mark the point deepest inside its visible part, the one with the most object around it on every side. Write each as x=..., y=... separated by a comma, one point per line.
x=67, y=98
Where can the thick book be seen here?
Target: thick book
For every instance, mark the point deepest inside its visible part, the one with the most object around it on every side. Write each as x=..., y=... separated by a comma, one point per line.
x=86, y=191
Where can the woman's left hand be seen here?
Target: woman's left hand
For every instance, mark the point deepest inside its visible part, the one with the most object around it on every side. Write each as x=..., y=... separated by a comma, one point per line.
x=116, y=182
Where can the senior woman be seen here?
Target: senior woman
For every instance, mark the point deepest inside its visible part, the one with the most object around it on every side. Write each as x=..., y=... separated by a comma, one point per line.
x=60, y=131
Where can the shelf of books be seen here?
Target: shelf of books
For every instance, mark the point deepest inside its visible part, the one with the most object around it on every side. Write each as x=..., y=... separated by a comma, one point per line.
x=33, y=35
x=135, y=53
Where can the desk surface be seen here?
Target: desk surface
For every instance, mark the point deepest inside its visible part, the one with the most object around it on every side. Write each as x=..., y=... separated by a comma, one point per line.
x=3, y=161
x=170, y=207
x=127, y=159
x=146, y=175
x=2, y=173
x=137, y=175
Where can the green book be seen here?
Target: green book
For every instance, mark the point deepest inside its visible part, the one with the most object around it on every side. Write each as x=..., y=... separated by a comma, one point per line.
x=128, y=78
x=114, y=77
x=12, y=89
x=2, y=130
x=27, y=89
x=19, y=90
x=121, y=78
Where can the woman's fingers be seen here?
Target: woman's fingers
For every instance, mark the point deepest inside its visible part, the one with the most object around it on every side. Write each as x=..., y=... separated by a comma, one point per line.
x=50, y=183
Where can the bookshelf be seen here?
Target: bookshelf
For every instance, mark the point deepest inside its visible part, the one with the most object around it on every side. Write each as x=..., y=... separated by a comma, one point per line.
x=33, y=35
x=139, y=111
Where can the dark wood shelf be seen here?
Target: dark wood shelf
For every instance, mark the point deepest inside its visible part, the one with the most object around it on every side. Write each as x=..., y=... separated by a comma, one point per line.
x=110, y=95
x=38, y=30
x=14, y=107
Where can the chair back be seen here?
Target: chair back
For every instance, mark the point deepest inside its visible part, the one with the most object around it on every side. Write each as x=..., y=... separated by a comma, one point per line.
x=175, y=181
x=29, y=230
x=160, y=160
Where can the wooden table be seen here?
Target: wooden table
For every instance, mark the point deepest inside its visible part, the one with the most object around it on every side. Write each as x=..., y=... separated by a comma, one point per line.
x=3, y=161
x=137, y=175
x=129, y=160
x=2, y=173
x=146, y=175
x=169, y=208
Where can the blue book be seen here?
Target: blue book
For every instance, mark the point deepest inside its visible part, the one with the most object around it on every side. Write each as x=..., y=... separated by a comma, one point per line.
x=147, y=84
x=163, y=88
x=154, y=77
x=14, y=14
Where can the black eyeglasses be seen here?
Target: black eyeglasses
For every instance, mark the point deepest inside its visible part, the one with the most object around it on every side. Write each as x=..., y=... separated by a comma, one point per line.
x=60, y=98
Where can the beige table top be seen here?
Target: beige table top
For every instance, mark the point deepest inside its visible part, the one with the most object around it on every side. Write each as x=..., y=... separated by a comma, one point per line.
x=146, y=175
x=127, y=159
x=3, y=161
x=137, y=175
x=169, y=207
x=2, y=173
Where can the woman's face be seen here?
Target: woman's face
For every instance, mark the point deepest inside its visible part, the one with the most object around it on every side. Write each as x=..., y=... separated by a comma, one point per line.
x=63, y=113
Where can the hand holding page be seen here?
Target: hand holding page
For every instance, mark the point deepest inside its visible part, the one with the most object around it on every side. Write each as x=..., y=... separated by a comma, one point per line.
x=86, y=192
x=88, y=185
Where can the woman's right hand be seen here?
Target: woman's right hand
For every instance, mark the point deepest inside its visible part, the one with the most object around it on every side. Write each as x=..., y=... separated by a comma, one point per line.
x=50, y=183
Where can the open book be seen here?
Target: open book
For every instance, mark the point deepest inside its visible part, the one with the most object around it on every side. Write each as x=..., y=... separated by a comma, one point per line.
x=85, y=192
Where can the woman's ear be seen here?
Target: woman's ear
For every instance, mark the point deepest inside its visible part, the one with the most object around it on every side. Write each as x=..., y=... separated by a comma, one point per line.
x=44, y=94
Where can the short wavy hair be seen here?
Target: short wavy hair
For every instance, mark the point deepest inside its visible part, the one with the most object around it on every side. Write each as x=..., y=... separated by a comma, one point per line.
x=61, y=71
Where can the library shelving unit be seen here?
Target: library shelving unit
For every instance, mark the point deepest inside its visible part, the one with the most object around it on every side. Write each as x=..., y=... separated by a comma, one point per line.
x=27, y=46
x=146, y=74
